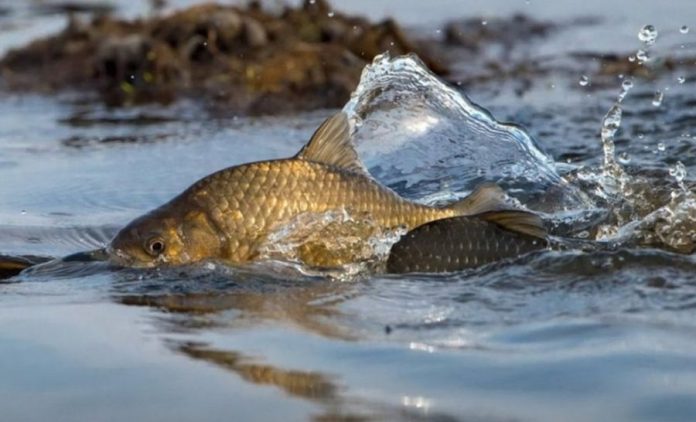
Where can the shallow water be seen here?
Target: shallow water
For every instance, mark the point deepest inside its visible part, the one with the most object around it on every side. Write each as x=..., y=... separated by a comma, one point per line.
x=604, y=332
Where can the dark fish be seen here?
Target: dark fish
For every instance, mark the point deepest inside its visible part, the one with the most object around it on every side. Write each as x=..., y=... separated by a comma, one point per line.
x=458, y=243
x=10, y=266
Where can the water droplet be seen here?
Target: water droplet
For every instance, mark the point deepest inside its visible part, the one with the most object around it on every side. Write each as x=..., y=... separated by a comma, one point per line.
x=611, y=122
x=684, y=29
x=661, y=146
x=330, y=14
x=642, y=56
x=24, y=212
x=626, y=86
x=584, y=80
x=624, y=158
x=484, y=22
x=132, y=77
x=641, y=135
x=657, y=98
x=631, y=59
x=312, y=1
x=647, y=34
x=681, y=79
x=621, y=76
x=678, y=171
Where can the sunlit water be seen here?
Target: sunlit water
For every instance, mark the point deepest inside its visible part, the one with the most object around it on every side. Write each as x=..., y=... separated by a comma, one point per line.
x=599, y=330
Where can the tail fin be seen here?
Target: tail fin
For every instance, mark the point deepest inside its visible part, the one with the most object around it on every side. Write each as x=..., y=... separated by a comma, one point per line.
x=486, y=197
x=490, y=203
x=517, y=221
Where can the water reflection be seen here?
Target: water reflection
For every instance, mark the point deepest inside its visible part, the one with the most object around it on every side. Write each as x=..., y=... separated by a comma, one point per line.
x=309, y=305
x=246, y=302
x=306, y=385
x=316, y=387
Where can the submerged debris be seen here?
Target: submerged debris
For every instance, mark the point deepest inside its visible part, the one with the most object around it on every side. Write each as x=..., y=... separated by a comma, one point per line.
x=254, y=60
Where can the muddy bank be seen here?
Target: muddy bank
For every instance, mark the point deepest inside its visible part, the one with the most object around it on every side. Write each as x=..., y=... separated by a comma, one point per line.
x=259, y=60
x=250, y=59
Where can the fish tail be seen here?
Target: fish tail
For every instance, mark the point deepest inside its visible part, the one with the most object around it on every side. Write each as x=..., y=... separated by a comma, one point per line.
x=523, y=222
x=486, y=197
x=490, y=203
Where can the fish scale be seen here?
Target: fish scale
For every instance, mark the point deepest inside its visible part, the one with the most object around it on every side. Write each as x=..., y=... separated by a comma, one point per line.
x=318, y=188
x=457, y=243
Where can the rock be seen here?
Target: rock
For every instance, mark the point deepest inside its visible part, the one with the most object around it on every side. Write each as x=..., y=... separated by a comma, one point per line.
x=250, y=59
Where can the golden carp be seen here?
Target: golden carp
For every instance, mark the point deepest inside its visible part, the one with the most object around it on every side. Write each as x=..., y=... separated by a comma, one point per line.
x=229, y=214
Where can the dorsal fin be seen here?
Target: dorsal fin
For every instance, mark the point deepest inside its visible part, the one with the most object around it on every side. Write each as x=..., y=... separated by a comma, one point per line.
x=331, y=145
x=517, y=221
x=486, y=197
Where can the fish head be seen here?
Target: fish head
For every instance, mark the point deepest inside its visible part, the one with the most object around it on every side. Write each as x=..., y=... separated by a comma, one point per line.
x=164, y=237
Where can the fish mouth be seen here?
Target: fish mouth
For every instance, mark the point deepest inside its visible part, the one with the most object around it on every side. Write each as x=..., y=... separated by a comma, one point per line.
x=121, y=258
x=113, y=256
x=118, y=257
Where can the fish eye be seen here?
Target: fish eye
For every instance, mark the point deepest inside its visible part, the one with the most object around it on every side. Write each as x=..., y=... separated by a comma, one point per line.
x=155, y=246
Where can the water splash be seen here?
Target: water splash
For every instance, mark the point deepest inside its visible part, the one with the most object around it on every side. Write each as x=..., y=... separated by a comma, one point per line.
x=432, y=144
x=673, y=226
x=329, y=240
x=626, y=86
x=642, y=56
x=610, y=125
x=657, y=98
x=646, y=210
x=679, y=174
x=643, y=212
x=427, y=141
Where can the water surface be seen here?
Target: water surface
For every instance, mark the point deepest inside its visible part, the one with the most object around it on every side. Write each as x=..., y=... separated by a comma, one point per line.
x=598, y=333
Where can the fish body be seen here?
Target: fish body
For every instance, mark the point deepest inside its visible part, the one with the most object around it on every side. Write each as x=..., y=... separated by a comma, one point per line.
x=231, y=213
x=459, y=243
x=13, y=265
